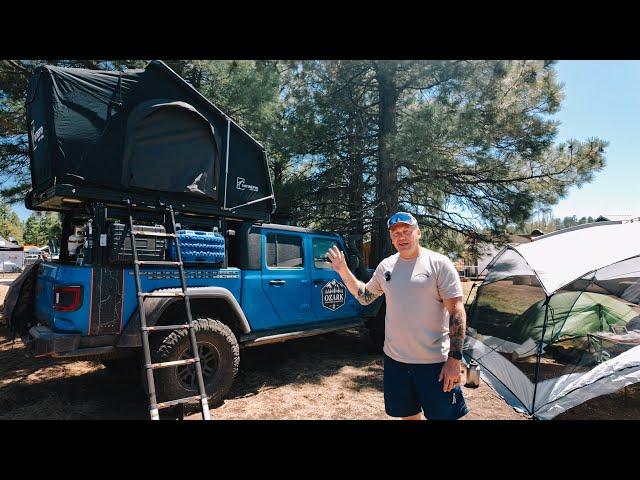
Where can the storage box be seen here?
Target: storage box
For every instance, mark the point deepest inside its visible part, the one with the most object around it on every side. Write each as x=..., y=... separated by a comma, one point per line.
x=198, y=247
x=149, y=248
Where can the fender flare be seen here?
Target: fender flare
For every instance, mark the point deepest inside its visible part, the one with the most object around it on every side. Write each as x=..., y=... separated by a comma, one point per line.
x=155, y=307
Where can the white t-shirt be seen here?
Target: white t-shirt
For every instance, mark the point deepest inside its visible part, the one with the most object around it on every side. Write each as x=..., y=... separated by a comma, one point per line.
x=417, y=322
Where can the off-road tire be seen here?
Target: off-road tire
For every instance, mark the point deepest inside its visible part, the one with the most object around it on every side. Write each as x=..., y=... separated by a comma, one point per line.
x=220, y=361
x=376, y=330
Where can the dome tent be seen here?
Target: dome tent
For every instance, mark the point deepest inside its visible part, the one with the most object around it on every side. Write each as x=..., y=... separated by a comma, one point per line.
x=591, y=312
x=556, y=322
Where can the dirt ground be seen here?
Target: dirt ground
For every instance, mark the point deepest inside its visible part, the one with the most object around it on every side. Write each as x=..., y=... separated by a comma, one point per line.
x=333, y=376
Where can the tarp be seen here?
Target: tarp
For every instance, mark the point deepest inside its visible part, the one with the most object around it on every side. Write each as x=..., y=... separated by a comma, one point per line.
x=143, y=130
x=19, y=302
x=564, y=256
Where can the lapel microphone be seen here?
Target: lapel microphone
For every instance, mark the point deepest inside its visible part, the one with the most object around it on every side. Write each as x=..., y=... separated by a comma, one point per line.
x=387, y=276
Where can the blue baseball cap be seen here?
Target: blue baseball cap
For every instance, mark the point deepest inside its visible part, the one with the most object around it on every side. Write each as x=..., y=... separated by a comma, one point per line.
x=402, y=217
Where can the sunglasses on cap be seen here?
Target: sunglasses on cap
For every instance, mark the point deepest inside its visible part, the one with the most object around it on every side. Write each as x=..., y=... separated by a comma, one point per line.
x=401, y=217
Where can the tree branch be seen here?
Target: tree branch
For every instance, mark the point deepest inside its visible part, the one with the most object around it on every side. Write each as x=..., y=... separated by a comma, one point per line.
x=19, y=67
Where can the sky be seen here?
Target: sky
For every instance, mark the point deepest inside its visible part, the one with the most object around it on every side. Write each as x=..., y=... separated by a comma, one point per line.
x=601, y=99
x=21, y=210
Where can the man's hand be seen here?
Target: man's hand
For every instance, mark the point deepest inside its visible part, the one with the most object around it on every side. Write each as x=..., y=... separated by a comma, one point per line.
x=450, y=373
x=358, y=289
x=337, y=260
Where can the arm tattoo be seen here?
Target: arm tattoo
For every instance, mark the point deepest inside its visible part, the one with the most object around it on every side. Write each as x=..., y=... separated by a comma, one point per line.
x=457, y=328
x=365, y=297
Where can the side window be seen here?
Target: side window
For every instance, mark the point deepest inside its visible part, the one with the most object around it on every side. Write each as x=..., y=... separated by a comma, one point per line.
x=320, y=248
x=284, y=251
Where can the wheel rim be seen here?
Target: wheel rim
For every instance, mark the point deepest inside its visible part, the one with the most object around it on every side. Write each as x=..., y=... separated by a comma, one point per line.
x=209, y=362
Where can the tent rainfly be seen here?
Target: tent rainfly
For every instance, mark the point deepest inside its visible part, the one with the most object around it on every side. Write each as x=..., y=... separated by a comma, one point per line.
x=556, y=322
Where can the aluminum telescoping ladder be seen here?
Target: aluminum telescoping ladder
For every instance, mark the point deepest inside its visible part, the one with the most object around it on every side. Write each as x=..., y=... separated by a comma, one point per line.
x=154, y=406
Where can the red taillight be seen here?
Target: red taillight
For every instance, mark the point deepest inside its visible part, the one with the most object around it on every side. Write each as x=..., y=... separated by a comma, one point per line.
x=67, y=299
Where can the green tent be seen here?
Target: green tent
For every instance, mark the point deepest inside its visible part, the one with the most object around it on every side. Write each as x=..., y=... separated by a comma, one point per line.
x=572, y=314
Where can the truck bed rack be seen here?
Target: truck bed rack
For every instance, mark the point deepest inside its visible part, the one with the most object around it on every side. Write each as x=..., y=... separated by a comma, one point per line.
x=64, y=197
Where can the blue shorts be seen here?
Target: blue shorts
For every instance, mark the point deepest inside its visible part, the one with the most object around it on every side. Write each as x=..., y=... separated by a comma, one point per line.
x=409, y=388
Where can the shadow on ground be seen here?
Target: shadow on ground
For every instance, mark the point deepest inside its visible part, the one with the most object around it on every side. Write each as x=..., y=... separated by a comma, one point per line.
x=42, y=388
x=308, y=361
x=340, y=366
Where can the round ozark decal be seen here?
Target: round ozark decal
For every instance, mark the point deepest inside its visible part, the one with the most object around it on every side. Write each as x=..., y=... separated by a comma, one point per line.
x=333, y=294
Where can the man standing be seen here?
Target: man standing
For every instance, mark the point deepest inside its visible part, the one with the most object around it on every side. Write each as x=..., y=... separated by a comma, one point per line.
x=424, y=325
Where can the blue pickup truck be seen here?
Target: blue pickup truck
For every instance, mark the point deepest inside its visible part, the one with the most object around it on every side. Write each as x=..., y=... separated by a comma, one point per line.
x=277, y=286
x=146, y=138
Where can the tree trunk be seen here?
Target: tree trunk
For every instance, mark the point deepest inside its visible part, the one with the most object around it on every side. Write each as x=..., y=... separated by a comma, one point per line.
x=356, y=194
x=387, y=172
x=282, y=213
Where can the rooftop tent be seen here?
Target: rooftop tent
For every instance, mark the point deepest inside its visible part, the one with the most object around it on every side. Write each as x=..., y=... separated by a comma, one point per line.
x=556, y=322
x=142, y=134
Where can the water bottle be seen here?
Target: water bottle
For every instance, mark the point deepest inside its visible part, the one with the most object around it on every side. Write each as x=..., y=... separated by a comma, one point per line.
x=473, y=375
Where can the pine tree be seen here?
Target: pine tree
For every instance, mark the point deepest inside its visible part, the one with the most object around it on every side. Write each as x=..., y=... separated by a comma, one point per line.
x=32, y=229
x=469, y=147
x=40, y=227
x=10, y=224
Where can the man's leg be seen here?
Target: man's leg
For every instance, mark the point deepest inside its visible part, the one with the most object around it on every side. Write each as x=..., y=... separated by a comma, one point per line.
x=400, y=398
x=436, y=404
x=417, y=416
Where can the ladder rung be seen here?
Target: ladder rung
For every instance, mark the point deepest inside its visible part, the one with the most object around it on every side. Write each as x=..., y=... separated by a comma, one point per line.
x=156, y=328
x=142, y=295
x=152, y=234
x=171, y=364
x=158, y=262
x=161, y=294
x=178, y=401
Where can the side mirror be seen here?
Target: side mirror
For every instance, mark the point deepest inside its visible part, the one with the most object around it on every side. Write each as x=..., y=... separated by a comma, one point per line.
x=353, y=262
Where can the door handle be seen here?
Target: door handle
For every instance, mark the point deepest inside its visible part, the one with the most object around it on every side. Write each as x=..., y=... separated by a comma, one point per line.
x=319, y=281
x=277, y=282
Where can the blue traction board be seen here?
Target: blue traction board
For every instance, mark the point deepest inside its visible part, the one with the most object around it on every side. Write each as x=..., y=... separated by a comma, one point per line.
x=198, y=247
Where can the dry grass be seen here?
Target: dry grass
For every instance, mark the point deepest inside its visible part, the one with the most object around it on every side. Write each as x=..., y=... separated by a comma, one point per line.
x=511, y=299
x=333, y=376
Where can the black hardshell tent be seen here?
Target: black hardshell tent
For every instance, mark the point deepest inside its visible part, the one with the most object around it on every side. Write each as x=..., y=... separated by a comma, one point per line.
x=144, y=135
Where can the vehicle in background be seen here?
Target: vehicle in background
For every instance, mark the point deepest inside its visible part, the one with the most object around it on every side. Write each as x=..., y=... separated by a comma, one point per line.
x=10, y=267
x=32, y=255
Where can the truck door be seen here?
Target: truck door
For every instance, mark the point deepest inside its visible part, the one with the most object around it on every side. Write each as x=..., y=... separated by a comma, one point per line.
x=286, y=277
x=330, y=298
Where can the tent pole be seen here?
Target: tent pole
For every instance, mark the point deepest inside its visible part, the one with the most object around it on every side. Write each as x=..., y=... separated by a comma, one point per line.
x=544, y=327
x=226, y=168
x=472, y=309
x=249, y=203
